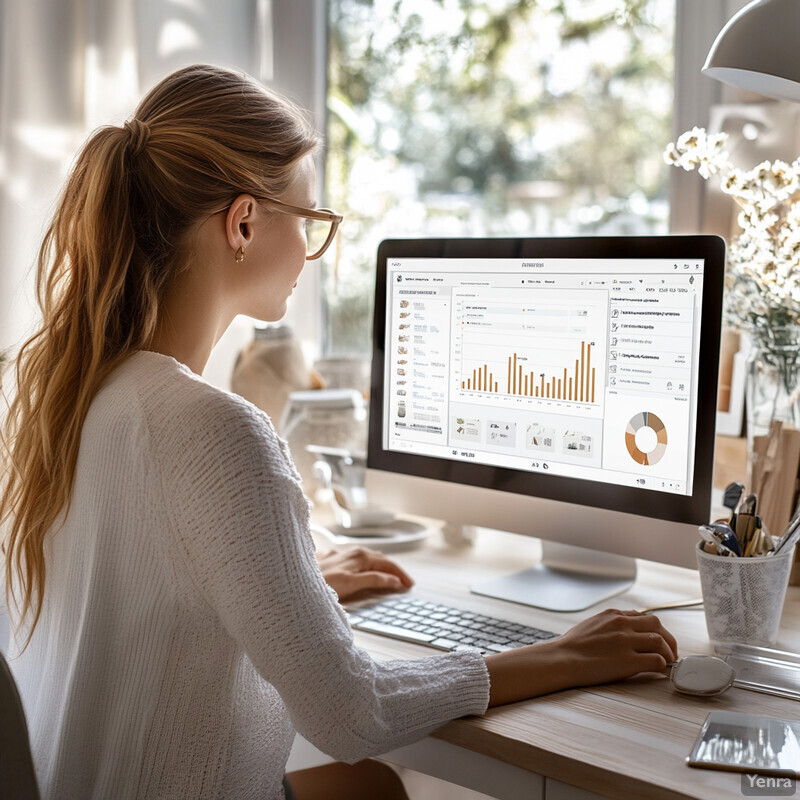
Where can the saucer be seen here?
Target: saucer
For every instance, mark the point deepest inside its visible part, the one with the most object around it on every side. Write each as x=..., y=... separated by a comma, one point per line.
x=392, y=535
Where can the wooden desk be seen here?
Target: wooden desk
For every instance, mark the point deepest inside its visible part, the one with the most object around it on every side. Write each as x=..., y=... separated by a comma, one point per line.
x=626, y=740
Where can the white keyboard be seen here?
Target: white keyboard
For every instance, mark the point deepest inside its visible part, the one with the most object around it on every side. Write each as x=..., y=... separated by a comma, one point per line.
x=444, y=627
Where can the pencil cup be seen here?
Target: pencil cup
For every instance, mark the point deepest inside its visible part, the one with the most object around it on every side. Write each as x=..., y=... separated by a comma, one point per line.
x=743, y=597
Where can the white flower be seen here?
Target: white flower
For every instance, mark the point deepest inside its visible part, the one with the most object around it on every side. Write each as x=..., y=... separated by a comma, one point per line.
x=763, y=277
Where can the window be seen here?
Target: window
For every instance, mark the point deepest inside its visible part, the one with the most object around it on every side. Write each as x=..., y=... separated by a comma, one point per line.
x=487, y=118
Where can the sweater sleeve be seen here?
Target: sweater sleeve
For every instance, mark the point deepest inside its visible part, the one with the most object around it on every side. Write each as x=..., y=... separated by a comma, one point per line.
x=241, y=526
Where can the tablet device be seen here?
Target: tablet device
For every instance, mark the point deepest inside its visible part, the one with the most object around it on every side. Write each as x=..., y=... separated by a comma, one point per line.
x=730, y=740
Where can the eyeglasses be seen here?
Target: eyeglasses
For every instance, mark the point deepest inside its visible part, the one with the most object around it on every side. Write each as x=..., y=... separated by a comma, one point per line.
x=321, y=225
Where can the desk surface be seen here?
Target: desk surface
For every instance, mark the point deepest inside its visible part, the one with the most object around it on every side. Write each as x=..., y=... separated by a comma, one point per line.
x=624, y=740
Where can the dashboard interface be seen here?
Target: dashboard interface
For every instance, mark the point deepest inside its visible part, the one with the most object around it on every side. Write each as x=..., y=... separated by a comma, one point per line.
x=584, y=368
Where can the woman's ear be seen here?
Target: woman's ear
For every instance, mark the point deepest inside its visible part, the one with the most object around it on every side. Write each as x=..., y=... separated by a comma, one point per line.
x=239, y=221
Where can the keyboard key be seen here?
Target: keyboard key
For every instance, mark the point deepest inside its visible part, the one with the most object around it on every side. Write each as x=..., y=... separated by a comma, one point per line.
x=445, y=644
x=395, y=632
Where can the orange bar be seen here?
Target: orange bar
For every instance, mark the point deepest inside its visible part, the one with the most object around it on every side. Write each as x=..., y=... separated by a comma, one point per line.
x=559, y=389
x=530, y=393
x=570, y=388
x=514, y=385
x=520, y=380
x=565, y=384
x=485, y=370
x=553, y=381
x=575, y=394
x=542, y=385
x=537, y=392
x=462, y=384
x=526, y=385
x=496, y=387
x=583, y=370
x=588, y=370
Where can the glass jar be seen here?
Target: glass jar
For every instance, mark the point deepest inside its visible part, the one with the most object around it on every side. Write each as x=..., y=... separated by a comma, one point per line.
x=773, y=380
x=323, y=417
x=270, y=367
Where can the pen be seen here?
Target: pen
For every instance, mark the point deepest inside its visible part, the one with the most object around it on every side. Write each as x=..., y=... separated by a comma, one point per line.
x=746, y=523
x=730, y=499
x=791, y=528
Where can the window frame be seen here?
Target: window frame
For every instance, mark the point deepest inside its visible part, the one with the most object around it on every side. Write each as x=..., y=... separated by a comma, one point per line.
x=302, y=72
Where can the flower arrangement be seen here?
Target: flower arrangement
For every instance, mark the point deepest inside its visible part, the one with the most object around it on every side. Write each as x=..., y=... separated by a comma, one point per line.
x=762, y=281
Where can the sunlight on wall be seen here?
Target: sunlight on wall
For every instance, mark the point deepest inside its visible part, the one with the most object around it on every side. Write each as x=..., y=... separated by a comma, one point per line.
x=176, y=37
x=110, y=93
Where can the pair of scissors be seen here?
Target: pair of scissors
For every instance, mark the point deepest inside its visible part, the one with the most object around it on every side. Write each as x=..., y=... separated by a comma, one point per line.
x=721, y=535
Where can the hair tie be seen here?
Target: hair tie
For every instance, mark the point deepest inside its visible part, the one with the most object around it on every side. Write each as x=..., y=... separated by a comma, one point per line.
x=138, y=135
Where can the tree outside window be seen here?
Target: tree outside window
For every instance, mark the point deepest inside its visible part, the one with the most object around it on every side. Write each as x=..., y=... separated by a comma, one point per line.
x=489, y=118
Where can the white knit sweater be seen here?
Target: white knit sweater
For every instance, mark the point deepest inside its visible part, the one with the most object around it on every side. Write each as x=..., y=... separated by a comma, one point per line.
x=186, y=630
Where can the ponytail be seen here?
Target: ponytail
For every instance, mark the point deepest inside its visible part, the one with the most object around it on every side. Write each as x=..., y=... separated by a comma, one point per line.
x=119, y=235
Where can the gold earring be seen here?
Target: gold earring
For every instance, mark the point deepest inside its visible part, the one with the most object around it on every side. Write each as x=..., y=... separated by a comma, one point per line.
x=239, y=254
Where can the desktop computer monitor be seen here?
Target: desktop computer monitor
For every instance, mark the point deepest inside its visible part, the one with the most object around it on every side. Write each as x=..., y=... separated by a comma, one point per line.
x=560, y=388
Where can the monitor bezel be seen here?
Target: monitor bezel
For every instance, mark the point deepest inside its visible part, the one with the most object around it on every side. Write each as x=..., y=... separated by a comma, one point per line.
x=651, y=503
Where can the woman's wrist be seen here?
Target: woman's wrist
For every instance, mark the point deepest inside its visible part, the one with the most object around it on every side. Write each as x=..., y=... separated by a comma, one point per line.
x=527, y=672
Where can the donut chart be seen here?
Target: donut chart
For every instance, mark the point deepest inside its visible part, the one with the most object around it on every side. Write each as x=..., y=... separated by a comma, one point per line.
x=646, y=419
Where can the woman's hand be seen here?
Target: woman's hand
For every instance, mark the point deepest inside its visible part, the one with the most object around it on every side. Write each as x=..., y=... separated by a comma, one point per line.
x=358, y=569
x=609, y=646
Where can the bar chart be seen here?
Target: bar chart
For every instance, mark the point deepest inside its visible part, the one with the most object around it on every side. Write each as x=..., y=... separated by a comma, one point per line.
x=576, y=382
x=531, y=347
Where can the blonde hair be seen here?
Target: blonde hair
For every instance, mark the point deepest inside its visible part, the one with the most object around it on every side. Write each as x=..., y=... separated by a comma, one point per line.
x=119, y=235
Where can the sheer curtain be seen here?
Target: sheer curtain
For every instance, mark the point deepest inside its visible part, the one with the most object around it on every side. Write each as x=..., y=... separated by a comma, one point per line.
x=64, y=66
x=68, y=66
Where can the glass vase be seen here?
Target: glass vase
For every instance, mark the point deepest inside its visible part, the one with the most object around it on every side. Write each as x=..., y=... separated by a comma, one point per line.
x=773, y=380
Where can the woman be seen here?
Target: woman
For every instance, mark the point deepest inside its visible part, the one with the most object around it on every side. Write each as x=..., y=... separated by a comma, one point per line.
x=174, y=627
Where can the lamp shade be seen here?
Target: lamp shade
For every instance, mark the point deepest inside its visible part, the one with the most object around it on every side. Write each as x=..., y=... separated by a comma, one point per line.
x=759, y=50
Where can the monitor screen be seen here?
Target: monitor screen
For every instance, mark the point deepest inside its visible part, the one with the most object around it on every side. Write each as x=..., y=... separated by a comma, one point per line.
x=580, y=370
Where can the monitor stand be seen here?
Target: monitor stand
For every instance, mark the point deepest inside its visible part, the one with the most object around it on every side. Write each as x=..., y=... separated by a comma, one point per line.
x=567, y=579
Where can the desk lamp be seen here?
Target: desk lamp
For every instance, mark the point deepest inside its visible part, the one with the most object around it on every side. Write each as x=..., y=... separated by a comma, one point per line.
x=757, y=50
